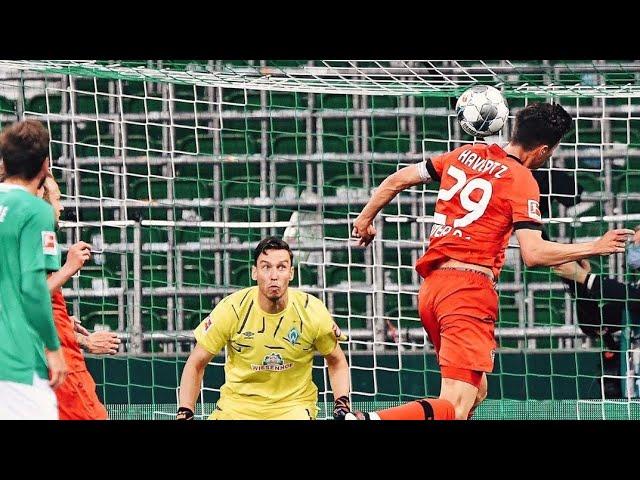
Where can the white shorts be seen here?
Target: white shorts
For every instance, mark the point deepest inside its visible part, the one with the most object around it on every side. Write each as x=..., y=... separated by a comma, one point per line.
x=19, y=401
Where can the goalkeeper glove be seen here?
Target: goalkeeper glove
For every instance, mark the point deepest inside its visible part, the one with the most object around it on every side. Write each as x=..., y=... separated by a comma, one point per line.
x=184, y=413
x=341, y=407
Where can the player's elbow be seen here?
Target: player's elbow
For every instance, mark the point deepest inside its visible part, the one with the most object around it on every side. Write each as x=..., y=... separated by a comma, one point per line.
x=532, y=251
x=531, y=262
x=336, y=360
x=338, y=364
x=399, y=181
x=530, y=257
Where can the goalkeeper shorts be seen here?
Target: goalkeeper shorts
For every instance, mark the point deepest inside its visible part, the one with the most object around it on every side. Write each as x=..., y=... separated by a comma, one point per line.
x=231, y=411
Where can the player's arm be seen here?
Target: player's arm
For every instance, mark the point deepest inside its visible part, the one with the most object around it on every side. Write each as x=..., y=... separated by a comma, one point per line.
x=339, y=378
x=326, y=343
x=211, y=336
x=392, y=185
x=191, y=380
x=537, y=252
x=33, y=287
x=36, y=299
x=77, y=255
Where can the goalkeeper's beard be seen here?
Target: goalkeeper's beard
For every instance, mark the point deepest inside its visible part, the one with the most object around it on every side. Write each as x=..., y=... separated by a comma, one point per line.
x=275, y=298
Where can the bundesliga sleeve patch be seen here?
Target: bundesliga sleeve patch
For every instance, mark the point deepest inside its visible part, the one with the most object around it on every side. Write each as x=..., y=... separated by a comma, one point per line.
x=207, y=323
x=534, y=210
x=49, y=243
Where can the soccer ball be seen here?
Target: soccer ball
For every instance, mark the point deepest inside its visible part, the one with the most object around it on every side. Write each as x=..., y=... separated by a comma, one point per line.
x=482, y=111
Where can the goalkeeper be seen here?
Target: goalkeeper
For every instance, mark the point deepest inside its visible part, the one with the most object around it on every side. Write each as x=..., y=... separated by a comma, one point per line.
x=271, y=332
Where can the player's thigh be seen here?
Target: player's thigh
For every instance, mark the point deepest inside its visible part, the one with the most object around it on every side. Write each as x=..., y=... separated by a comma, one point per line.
x=467, y=343
x=461, y=394
x=466, y=308
x=483, y=389
x=427, y=315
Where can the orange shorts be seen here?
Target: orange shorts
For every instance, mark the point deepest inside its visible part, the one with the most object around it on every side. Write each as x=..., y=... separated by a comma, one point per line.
x=458, y=309
x=77, y=398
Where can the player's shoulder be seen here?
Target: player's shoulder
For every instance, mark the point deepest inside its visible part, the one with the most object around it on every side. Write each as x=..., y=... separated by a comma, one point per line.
x=474, y=152
x=488, y=151
x=515, y=169
x=456, y=152
x=522, y=173
x=304, y=299
x=481, y=149
x=239, y=298
x=39, y=207
x=34, y=205
x=24, y=202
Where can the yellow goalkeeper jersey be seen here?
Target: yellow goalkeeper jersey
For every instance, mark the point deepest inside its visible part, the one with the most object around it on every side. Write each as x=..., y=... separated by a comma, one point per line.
x=270, y=356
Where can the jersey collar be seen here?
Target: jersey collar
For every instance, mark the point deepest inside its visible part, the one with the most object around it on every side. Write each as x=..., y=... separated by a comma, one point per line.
x=515, y=158
x=11, y=186
x=497, y=150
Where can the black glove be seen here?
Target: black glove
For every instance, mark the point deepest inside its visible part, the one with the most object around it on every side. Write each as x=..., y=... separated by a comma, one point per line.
x=184, y=413
x=341, y=407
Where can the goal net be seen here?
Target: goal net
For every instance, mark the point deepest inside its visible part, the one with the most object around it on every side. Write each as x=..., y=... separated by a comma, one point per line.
x=174, y=171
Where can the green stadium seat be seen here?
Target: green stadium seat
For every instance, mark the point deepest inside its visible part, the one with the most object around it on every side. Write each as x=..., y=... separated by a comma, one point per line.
x=287, y=100
x=335, y=143
x=289, y=144
x=334, y=101
x=92, y=317
x=239, y=144
x=390, y=141
x=38, y=103
x=7, y=105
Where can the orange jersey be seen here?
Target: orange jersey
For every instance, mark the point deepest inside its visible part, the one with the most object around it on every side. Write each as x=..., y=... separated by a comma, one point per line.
x=64, y=325
x=77, y=398
x=484, y=194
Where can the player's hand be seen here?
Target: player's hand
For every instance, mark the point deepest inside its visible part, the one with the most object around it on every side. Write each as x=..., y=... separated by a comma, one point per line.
x=77, y=326
x=57, y=367
x=76, y=256
x=184, y=413
x=364, y=230
x=612, y=242
x=341, y=406
x=636, y=237
x=102, y=343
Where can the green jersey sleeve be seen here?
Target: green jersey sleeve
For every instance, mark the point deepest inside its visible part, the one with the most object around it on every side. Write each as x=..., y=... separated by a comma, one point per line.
x=37, y=241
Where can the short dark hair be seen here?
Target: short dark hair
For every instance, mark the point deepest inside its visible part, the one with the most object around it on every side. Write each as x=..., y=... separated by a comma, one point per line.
x=271, y=243
x=540, y=124
x=23, y=147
